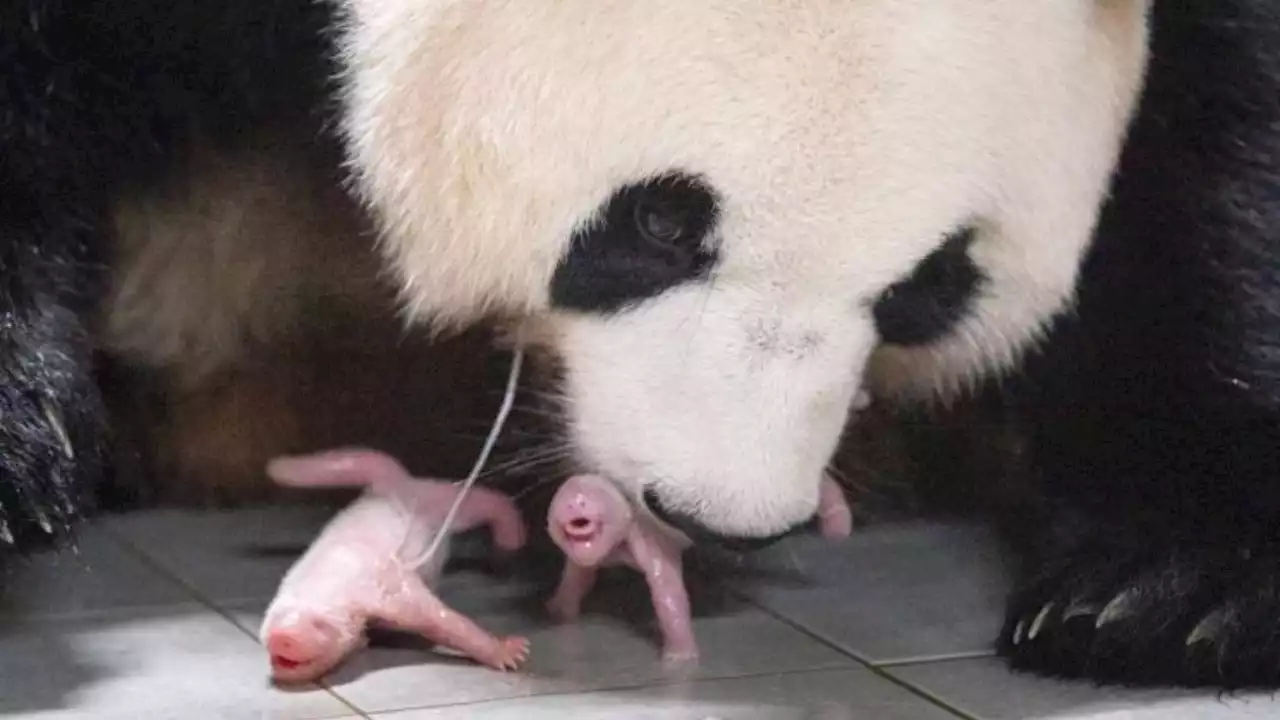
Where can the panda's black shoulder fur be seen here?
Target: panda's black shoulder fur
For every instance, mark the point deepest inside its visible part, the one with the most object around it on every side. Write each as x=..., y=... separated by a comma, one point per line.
x=97, y=98
x=1154, y=412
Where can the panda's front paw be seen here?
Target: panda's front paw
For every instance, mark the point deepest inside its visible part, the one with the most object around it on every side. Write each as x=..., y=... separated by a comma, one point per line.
x=50, y=454
x=1147, y=610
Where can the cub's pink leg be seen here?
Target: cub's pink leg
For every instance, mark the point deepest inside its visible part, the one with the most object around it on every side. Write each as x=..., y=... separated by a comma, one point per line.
x=576, y=581
x=417, y=609
x=664, y=572
x=483, y=506
x=835, y=519
x=346, y=467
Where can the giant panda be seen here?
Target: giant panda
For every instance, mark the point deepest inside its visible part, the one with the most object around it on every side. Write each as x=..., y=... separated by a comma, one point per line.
x=723, y=219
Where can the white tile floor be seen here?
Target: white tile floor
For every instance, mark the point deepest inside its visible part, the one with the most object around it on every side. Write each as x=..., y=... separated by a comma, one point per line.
x=156, y=618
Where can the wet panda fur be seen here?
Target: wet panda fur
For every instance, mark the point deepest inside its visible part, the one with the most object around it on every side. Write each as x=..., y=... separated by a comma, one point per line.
x=722, y=220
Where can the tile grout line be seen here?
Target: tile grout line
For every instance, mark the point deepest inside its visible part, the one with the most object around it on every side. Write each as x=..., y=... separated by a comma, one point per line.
x=613, y=688
x=881, y=672
x=802, y=628
x=935, y=659
x=159, y=567
x=923, y=693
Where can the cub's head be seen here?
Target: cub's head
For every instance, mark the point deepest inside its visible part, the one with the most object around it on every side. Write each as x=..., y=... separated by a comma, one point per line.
x=730, y=215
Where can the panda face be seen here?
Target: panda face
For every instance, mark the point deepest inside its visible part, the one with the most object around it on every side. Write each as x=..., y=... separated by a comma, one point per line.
x=731, y=215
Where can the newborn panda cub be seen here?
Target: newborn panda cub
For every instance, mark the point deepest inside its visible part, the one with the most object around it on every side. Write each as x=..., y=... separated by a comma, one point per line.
x=591, y=521
x=369, y=566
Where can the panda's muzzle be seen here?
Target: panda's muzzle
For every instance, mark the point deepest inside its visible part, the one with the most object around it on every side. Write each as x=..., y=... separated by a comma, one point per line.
x=700, y=534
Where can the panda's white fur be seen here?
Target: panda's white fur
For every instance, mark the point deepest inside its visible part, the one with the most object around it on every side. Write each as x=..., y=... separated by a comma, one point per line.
x=844, y=138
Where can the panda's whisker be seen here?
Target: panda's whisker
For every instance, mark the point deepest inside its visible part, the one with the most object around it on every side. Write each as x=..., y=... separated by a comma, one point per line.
x=521, y=434
x=795, y=560
x=526, y=451
x=528, y=460
x=844, y=479
x=550, y=397
x=548, y=413
x=523, y=467
x=531, y=453
x=536, y=484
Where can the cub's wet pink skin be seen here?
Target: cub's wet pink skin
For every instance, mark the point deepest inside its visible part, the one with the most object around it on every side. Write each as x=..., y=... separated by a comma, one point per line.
x=366, y=566
x=594, y=525
x=835, y=518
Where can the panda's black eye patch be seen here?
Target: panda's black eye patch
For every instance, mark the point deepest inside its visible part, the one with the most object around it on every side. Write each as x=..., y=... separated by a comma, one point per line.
x=935, y=297
x=649, y=237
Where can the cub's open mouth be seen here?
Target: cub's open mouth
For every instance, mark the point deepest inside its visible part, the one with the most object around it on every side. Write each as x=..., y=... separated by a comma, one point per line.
x=285, y=663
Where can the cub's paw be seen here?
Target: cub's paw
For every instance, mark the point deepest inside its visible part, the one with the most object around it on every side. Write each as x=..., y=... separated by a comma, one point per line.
x=510, y=654
x=677, y=654
x=1147, y=611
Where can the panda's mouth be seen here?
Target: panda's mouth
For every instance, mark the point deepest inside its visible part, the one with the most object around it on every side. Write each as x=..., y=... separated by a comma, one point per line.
x=698, y=534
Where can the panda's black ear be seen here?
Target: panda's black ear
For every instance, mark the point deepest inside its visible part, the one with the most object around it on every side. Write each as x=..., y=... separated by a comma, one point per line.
x=648, y=237
x=934, y=298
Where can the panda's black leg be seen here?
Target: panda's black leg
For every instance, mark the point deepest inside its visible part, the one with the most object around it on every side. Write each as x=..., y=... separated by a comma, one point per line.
x=54, y=175
x=1153, y=416
x=50, y=411
x=1152, y=556
x=1150, y=606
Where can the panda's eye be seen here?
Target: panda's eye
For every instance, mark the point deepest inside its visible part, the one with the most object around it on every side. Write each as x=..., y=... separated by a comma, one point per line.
x=661, y=223
x=647, y=238
x=936, y=296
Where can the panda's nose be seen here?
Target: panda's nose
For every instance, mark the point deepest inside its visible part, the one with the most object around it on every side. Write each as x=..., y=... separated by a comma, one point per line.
x=699, y=533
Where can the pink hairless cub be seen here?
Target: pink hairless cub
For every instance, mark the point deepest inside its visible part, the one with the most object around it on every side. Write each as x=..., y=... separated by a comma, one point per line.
x=594, y=525
x=367, y=566
x=835, y=518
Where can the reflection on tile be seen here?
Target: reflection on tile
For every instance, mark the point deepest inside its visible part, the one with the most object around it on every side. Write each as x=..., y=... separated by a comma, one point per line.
x=162, y=665
x=985, y=688
x=97, y=577
x=469, y=592
x=607, y=648
x=818, y=695
x=239, y=557
x=230, y=556
x=888, y=594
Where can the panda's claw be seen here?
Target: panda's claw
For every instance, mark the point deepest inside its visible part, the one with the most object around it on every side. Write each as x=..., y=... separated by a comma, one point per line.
x=1210, y=628
x=1080, y=608
x=1038, y=623
x=1120, y=607
x=1165, y=615
x=54, y=419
